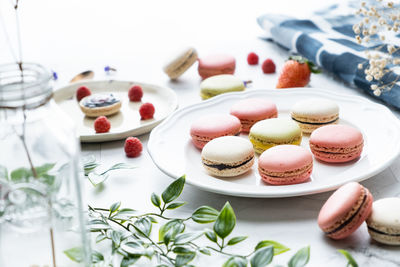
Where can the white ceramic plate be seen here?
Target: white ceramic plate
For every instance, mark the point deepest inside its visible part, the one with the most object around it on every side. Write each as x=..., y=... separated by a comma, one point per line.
x=172, y=151
x=127, y=121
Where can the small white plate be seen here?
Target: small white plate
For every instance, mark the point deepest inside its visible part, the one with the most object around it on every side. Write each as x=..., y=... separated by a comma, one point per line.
x=127, y=121
x=172, y=151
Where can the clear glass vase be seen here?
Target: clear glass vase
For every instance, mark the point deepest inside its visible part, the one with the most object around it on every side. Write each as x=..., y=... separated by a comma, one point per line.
x=40, y=191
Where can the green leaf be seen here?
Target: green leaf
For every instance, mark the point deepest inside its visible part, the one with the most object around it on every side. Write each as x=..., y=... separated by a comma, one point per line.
x=97, y=225
x=100, y=238
x=155, y=199
x=175, y=205
x=43, y=169
x=205, y=214
x=144, y=224
x=118, y=166
x=187, y=237
x=47, y=179
x=301, y=258
x=350, y=260
x=97, y=256
x=278, y=247
x=129, y=261
x=183, y=259
x=205, y=251
x=182, y=250
x=134, y=248
x=3, y=172
x=211, y=236
x=75, y=254
x=20, y=174
x=262, y=257
x=97, y=179
x=116, y=237
x=225, y=222
x=236, y=240
x=124, y=214
x=114, y=207
x=173, y=190
x=235, y=262
x=174, y=227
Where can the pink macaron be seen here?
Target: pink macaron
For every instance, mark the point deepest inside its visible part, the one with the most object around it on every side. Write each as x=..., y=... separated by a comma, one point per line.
x=252, y=110
x=212, y=126
x=285, y=164
x=345, y=210
x=336, y=143
x=216, y=64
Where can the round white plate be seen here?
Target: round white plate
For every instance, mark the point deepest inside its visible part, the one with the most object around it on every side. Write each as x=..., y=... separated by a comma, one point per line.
x=172, y=151
x=127, y=121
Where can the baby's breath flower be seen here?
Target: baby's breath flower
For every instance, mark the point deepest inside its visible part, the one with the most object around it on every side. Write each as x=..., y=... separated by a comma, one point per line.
x=374, y=86
x=369, y=78
x=377, y=92
x=360, y=66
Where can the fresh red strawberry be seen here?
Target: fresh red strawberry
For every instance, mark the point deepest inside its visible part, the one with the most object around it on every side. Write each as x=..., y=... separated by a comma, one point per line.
x=296, y=72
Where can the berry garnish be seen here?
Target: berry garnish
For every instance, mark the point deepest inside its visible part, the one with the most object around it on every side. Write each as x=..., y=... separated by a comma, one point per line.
x=146, y=111
x=102, y=124
x=133, y=147
x=82, y=92
x=268, y=66
x=296, y=72
x=252, y=58
x=135, y=93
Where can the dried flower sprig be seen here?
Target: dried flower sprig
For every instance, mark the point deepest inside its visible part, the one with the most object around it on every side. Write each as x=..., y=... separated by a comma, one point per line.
x=380, y=24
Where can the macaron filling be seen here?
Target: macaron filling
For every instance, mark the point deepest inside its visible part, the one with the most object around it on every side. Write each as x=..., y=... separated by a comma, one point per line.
x=224, y=166
x=315, y=123
x=380, y=232
x=350, y=215
x=181, y=67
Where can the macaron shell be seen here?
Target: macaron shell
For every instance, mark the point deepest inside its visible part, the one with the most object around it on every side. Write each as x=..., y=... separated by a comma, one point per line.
x=285, y=164
x=345, y=210
x=315, y=109
x=249, y=111
x=228, y=156
x=220, y=84
x=216, y=64
x=384, y=221
x=180, y=63
x=212, y=126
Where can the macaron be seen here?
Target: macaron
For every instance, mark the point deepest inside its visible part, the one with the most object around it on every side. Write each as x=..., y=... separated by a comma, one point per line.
x=180, y=62
x=212, y=126
x=272, y=132
x=252, y=110
x=285, y=164
x=336, y=143
x=227, y=156
x=216, y=64
x=384, y=221
x=345, y=210
x=313, y=113
x=220, y=84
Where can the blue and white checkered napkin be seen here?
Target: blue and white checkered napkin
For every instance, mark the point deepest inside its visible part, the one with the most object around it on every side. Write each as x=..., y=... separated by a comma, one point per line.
x=328, y=40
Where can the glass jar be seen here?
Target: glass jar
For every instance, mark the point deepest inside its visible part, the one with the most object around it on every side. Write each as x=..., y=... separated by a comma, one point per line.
x=40, y=190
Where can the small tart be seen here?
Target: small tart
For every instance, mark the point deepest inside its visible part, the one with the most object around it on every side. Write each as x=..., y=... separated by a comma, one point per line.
x=100, y=105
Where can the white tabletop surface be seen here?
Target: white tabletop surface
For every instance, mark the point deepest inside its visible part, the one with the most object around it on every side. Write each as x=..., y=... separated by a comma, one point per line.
x=136, y=37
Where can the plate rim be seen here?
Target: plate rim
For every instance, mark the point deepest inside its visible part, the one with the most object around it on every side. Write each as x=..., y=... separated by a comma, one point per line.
x=105, y=137
x=316, y=92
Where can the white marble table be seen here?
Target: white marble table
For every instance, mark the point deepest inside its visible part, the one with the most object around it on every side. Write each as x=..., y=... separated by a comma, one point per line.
x=135, y=37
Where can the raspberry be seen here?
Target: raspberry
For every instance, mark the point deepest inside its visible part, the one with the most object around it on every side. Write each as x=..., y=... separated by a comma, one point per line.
x=132, y=147
x=82, y=92
x=252, y=58
x=102, y=124
x=268, y=66
x=146, y=111
x=135, y=93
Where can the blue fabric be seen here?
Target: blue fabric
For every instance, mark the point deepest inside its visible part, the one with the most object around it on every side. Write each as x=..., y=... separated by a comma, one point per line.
x=328, y=40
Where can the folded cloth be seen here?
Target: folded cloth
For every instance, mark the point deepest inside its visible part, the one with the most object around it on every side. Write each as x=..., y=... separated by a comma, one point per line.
x=328, y=40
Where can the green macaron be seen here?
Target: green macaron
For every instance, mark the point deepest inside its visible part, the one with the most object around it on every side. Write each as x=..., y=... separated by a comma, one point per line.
x=220, y=84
